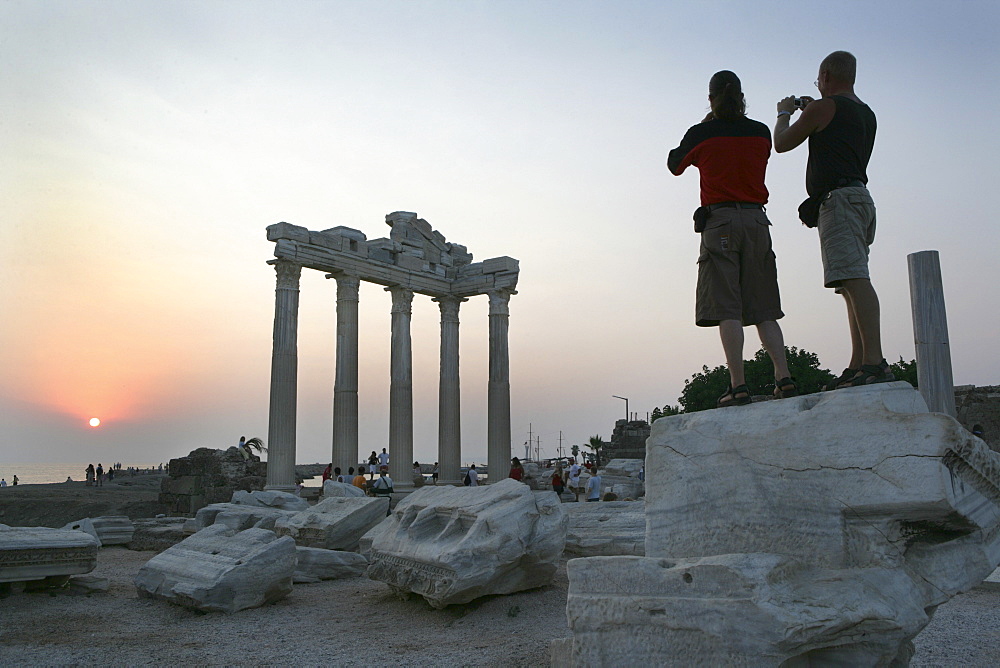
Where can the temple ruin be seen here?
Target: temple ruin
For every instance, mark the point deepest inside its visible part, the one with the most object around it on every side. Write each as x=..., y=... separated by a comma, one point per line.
x=415, y=259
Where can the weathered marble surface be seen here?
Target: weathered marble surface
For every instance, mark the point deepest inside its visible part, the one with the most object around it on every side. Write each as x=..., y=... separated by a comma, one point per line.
x=823, y=529
x=269, y=499
x=219, y=569
x=334, y=524
x=315, y=564
x=605, y=529
x=86, y=525
x=454, y=544
x=114, y=529
x=334, y=489
x=37, y=553
x=238, y=516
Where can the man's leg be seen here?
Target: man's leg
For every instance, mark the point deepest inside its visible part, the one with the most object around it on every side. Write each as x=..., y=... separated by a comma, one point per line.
x=731, y=333
x=863, y=313
x=857, y=347
x=774, y=343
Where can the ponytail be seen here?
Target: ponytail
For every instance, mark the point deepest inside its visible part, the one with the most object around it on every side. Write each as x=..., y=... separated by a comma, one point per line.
x=726, y=95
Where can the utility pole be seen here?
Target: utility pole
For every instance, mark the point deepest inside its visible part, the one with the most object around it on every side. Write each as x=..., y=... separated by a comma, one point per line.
x=559, y=451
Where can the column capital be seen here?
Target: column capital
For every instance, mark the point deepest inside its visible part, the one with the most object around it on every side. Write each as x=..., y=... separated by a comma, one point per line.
x=288, y=273
x=402, y=299
x=347, y=287
x=449, y=305
x=499, y=301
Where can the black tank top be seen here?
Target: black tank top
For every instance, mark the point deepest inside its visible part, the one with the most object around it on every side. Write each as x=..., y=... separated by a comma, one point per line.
x=839, y=153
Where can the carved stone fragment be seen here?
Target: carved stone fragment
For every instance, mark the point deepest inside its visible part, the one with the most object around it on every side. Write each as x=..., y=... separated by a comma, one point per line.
x=336, y=523
x=454, y=544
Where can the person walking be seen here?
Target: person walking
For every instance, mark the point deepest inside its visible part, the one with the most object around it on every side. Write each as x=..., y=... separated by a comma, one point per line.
x=473, y=476
x=574, y=479
x=737, y=274
x=15, y=480
x=558, y=485
x=383, y=459
x=372, y=465
x=516, y=470
x=840, y=130
x=594, y=486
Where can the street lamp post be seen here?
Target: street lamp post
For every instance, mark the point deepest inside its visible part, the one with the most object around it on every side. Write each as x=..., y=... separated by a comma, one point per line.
x=625, y=399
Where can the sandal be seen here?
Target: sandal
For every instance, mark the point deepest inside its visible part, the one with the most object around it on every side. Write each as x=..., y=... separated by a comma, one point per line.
x=842, y=381
x=873, y=373
x=730, y=398
x=785, y=388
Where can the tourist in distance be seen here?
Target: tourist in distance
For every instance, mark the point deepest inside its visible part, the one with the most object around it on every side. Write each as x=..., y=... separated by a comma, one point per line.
x=557, y=481
x=3, y=482
x=359, y=479
x=372, y=465
x=574, y=479
x=328, y=471
x=383, y=459
x=516, y=470
x=383, y=487
x=737, y=275
x=435, y=473
x=594, y=486
x=841, y=133
x=15, y=480
x=472, y=477
x=418, y=474
x=337, y=475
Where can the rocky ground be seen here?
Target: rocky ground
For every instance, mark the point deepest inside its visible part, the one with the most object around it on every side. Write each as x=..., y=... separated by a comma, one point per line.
x=58, y=504
x=353, y=622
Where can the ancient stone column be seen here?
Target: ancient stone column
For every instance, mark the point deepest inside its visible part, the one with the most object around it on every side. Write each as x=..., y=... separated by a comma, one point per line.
x=345, y=384
x=449, y=397
x=401, y=391
x=498, y=396
x=930, y=332
x=284, y=372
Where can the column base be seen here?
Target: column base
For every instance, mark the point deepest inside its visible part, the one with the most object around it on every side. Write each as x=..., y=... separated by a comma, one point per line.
x=444, y=483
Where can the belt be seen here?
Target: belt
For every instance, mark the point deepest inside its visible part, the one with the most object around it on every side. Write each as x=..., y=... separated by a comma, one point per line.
x=853, y=184
x=734, y=205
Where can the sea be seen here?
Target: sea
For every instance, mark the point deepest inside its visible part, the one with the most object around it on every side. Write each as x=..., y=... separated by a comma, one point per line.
x=39, y=474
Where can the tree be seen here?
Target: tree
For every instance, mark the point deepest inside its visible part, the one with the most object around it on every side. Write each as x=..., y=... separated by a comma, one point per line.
x=596, y=443
x=575, y=450
x=664, y=412
x=703, y=389
x=905, y=371
x=655, y=415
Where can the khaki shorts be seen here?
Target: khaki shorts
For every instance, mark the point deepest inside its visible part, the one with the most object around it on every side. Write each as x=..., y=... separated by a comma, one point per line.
x=737, y=275
x=846, y=231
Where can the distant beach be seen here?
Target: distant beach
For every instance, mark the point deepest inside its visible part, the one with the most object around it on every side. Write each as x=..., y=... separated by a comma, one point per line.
x=41, y=474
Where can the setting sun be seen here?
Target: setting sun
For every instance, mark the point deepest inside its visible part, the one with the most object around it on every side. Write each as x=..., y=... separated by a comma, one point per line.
x=94, y=422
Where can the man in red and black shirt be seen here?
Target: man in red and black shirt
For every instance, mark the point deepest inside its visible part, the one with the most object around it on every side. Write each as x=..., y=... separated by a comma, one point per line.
x=737, y=276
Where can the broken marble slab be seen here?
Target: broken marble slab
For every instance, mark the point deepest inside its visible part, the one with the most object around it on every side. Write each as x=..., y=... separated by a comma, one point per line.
x=454, y=544
x=39, y=553
x=819, y=530
x=335, y=523
x=238, y=516
x=269, y=499
x=605, y=529
x=315, y=564
x=220, y=569
x=86, y=525
x=333, y=489
x=113, y=529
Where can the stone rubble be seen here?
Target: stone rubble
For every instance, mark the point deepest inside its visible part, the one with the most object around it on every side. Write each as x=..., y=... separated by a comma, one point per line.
x=39, y=553
x=454, y=544
x=336, y=523
x=315, y=564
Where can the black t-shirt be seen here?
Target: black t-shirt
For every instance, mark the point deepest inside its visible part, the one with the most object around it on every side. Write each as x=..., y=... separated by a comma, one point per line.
x=839, y=153
x=731, y=157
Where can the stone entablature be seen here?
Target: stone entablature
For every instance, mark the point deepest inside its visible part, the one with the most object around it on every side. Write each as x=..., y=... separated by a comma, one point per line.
x=415, y=259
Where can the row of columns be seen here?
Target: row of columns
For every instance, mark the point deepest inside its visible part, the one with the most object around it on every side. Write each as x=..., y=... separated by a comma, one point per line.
x=284, y=364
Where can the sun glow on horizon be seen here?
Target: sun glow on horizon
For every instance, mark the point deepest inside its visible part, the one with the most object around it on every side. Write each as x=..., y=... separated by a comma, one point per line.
x=95, y=422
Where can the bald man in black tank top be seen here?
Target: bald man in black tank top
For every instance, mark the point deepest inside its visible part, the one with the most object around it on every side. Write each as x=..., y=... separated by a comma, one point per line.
x=841, y=133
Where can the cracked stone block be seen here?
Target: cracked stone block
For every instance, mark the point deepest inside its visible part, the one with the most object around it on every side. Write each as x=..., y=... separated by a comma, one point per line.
x=335, y=523
x=222, y=570
x=315, y=564
x=39, y=553
x=86, y=525
x=333, y=489
x=605, y=529
x=238, y=517
x=454, y=544
x=114, y=529
x=269, y=499
x=818, y=530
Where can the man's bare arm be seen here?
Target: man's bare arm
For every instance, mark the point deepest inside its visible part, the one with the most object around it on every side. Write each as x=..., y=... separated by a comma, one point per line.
x=816, y=115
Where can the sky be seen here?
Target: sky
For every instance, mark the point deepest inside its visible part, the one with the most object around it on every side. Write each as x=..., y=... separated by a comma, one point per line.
x=147, y=146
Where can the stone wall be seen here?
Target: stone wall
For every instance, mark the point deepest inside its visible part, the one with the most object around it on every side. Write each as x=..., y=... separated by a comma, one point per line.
x=980, y=405
x=209, y=476
x=628, y=440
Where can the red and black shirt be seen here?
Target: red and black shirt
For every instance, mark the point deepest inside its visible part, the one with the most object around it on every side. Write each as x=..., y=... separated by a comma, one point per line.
x=731, y=157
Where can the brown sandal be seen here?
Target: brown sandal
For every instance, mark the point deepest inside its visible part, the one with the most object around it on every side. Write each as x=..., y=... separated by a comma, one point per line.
x=730, y=398
x=785, y=388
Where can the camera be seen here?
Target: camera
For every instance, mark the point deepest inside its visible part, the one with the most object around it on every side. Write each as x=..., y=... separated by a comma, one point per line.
x=799, y=103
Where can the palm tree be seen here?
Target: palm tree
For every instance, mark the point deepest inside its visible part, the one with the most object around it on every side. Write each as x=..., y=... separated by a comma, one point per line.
x=256, y=443
x=596, y=443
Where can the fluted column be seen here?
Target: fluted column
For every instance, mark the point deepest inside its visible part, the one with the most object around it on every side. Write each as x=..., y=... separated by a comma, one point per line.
x=449, y=396
x=401, y=391
x=284, y=372
x=498, y=398
x=345, y=384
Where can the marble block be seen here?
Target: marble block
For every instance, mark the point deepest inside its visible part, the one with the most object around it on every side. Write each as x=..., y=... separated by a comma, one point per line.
x=114, y=529
x=238, y=516
x=269, y=499
x=335, y=523
x=315, y=564
x=818, y=530
x=86, y=525
x=605, y=529
x=37, y=553
x=455, y=544
x=332, y=489
x=219, y=569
